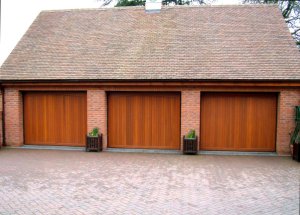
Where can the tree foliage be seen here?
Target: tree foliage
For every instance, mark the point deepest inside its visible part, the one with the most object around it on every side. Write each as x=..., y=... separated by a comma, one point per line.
x=290, y=11
x=186, y=2
x=164, y=2
x=122, y=3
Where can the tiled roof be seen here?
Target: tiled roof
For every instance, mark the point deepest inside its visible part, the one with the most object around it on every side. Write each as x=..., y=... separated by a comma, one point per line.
x=202, y=43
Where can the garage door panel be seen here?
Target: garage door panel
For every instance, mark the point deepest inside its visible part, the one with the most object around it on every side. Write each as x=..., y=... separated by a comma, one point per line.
x=238, y=121
x=55, y=118
x=145, y=120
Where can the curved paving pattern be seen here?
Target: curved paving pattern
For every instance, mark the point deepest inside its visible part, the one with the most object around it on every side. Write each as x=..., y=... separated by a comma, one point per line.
x=74, y=182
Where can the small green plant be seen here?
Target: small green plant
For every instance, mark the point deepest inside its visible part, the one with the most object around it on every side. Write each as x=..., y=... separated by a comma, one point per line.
x=94, y=132
x=297, y=141
x=191, y=134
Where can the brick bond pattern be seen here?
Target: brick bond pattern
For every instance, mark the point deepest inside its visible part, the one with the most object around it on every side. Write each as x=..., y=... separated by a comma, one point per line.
x=190, y=112
x=286, y=118
x=13, y=117
x=97, y=112
x=1, y=119
x=72, y=182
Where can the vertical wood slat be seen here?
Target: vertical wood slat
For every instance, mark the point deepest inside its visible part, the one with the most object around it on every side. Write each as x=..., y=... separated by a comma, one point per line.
x=238, y=121
x=144, y=120
x=55, y=118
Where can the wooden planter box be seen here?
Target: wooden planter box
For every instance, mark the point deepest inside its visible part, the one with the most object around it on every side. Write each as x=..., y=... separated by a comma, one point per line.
x=190, y=146
x=93, y=143
x=296, y=152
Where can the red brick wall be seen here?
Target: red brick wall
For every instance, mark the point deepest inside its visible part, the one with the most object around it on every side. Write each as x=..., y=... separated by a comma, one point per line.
x=96, y=112
x=13, y=117
x=288, y=99
x=1, y=100
x=1, y=120
x=190, y=112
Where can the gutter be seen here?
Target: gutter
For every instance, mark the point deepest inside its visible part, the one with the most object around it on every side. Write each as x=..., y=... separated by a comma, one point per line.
x=143, y=80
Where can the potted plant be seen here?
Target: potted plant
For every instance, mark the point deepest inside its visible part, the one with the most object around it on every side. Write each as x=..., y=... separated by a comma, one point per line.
x=94, y=141
x=190, y=143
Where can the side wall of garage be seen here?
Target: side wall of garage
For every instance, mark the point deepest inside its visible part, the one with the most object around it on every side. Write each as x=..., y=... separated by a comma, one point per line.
x=1, y=119
x=287, y=101
x=13, y=106
x=190, y=111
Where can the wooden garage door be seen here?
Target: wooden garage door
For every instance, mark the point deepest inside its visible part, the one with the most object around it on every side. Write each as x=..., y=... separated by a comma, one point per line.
x=55, y=118
x=238, y=121
x=144, y=120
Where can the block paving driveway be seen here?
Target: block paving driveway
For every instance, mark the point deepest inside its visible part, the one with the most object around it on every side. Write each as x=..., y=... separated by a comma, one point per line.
x=75, y=182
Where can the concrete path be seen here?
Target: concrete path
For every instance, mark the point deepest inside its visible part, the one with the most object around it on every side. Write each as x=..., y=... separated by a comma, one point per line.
x=75, y=182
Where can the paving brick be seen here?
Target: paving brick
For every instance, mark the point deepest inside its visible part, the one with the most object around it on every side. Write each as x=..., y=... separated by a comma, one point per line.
x=74, y=182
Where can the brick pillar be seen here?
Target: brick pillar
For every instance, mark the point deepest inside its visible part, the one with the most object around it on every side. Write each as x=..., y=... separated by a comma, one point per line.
x=1, y=120
x=190, y=112
x=13, y=117
x=97, y=112
x=288, y=99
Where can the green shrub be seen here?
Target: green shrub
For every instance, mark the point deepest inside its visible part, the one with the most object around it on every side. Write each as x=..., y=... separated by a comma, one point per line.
x=297, y=140
x=94, y=132
x=191, y=134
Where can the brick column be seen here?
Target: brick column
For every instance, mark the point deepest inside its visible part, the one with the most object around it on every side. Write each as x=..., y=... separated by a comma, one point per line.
x=97, y=112
x=13, y=117
x=190, y=112
x=1, y=120
x=288, y=99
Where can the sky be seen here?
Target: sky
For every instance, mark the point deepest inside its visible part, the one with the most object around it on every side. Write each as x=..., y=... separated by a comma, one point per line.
x=18, y=15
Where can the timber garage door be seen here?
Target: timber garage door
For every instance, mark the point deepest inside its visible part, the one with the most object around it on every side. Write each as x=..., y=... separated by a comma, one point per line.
x=238, y=121
x=55, y=118
x=144, y=120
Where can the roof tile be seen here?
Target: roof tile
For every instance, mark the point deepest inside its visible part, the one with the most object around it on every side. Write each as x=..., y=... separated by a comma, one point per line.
x=210, y=42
